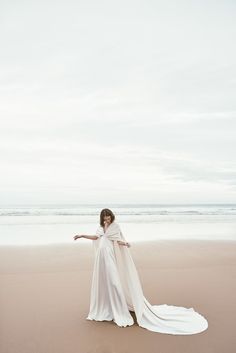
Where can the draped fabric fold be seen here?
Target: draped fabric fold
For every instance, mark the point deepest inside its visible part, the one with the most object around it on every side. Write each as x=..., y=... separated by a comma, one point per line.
x=116, y=290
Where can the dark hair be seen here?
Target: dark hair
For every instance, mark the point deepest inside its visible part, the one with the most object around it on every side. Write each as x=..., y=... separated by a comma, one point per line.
x=106, y=212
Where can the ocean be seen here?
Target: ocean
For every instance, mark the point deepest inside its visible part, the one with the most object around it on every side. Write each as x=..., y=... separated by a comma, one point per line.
x=43, y=224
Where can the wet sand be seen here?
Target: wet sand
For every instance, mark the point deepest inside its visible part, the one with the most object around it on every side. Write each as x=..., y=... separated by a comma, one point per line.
x=45, y=294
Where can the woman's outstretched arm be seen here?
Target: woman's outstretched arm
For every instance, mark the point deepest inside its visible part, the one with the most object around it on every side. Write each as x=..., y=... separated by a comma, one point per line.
x=91, y=237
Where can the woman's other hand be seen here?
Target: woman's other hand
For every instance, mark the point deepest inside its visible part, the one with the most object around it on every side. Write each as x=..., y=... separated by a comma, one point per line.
x=77, y=236
x=124, y=243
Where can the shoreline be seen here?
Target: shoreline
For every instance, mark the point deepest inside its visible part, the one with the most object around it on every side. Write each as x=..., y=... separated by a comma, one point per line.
x=86, y=242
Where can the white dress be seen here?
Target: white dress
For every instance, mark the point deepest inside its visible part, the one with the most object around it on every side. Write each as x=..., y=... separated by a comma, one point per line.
x=116, y=290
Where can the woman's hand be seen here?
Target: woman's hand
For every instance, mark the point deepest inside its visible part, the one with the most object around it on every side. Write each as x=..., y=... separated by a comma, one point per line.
x=78, y=236
x=124, y=243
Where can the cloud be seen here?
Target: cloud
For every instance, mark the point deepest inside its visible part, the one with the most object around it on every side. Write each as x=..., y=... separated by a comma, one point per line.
x=96, y=97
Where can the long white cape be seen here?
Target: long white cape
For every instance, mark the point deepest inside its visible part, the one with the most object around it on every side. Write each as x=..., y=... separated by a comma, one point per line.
x=161, y=318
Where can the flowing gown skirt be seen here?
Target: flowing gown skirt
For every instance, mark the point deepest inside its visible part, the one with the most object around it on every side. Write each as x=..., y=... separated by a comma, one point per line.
x=107, y=301
x=110, y=299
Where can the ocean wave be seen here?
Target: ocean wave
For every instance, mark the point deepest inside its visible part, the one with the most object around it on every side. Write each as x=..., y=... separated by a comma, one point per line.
x=123, y=210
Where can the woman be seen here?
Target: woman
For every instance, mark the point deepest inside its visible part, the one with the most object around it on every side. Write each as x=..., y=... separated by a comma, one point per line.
x=116, y=289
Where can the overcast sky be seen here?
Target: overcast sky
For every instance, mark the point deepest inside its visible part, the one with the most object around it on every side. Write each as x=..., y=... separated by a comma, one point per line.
x=117, y=101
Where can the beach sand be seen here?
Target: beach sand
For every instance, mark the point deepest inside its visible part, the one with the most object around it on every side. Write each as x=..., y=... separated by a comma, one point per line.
x=45, y=294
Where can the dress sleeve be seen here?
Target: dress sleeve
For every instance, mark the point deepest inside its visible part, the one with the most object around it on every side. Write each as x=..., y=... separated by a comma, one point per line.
x=99, y=231
x=121, y=235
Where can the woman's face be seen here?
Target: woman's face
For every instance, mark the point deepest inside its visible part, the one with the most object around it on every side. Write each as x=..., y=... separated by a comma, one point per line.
x=107, y=219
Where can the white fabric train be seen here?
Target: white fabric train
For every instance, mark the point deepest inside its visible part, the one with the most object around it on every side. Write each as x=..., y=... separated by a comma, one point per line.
x=116, y=290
